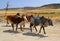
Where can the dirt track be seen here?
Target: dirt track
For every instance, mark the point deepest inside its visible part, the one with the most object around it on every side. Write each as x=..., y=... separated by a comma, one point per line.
x=53, y=34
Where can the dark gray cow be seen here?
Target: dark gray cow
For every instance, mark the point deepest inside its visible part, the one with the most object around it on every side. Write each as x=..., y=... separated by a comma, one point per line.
x=42, y=21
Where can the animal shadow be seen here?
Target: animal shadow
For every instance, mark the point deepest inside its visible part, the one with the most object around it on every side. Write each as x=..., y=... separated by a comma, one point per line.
x=10, y=31
x=34, y=35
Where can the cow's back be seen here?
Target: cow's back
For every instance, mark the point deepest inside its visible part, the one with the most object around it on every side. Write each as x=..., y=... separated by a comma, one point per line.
x=13, y=19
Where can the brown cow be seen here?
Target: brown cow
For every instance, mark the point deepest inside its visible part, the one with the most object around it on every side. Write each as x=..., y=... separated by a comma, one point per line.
x=15, y=20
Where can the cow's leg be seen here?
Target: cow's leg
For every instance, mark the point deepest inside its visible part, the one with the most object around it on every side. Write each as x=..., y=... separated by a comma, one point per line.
x=40, y=29
x=23, y=23
x=35, y=28
x=31, y=26
x=12, y=26
x=7, y=23
x=44, y=29
x=21, y=26
x=16, y=26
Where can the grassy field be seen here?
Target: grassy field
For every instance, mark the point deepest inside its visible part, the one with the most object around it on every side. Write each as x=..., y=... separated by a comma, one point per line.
x=53, y=13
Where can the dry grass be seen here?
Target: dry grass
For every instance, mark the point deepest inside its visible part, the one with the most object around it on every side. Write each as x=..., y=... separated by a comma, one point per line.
x=39, y=12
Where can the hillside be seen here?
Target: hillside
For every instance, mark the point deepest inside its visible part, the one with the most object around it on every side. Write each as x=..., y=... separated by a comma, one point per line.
x=51, y=6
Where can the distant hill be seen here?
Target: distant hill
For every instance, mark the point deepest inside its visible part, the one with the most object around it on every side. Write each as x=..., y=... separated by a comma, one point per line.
x=48, y=6
x=51, y=6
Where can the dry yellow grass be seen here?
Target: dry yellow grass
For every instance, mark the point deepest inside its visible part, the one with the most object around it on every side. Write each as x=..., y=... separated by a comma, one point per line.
x=39, y=12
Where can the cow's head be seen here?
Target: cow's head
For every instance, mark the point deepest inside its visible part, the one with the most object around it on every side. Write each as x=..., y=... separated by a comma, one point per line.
x=50, y=22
